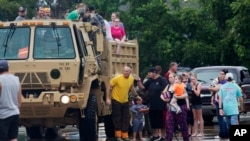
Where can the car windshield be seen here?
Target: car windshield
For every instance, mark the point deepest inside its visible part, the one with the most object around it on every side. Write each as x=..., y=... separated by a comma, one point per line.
x=14, y=42
x=53, y=42
x=208, y=75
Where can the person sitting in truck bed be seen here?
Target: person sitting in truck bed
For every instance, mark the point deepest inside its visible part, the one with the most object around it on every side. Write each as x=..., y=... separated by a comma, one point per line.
x=118, y=35
x=115, y=15
x=75, y=14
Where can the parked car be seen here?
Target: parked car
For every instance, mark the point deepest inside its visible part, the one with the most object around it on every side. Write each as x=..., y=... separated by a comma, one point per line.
x=181, y=69
x=206, y=74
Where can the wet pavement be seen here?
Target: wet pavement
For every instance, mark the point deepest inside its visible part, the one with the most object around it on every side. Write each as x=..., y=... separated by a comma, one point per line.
x=70, y=133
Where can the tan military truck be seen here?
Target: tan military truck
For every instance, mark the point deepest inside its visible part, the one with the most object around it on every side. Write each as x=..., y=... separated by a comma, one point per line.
x=63, y=73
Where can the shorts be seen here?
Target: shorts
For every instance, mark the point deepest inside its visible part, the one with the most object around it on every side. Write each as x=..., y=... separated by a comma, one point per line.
x=157, y=119
x=10, y=126
x=196, y=107
x=232, y=120
x=137, y=125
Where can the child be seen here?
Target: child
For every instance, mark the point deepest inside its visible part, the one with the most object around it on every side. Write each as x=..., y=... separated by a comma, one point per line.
x=179, y=90
x=215, y=86
x=138, y=110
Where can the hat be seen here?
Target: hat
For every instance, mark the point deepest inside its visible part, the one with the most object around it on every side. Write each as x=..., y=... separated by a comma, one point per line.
x=4, y=65
x=229, y=76
x=152, y=70
x=22, y=9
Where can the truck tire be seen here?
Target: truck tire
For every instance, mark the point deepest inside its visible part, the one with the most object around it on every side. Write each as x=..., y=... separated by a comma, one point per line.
x=51, y=133
x=34, y=132
x=88, y=125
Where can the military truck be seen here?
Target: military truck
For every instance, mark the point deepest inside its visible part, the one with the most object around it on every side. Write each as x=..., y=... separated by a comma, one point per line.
x=63, y=73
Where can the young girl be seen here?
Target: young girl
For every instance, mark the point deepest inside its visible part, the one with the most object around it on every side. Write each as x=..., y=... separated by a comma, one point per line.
x=179, y=90
x=138, y=110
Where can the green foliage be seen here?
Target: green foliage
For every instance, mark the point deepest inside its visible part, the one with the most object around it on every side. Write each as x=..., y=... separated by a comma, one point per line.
x=239, y=25
x=9, y=8
x=105, y=6
x=193, y=33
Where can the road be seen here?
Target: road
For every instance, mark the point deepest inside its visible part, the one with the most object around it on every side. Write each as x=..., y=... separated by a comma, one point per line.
x=70, y=133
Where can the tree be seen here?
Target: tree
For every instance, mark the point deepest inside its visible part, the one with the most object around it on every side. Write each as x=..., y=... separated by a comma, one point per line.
x=239, y=30
x=9, y=8
x=105, y=6
x=193, y=33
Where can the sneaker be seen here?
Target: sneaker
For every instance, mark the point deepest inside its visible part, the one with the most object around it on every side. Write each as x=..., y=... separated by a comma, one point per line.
x=162, y=139
x=158, y=138
x=126, y=139
x=119, y=139
x=217, y=137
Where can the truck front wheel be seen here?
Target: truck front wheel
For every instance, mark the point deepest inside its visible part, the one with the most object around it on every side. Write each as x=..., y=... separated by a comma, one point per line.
x=88, y=124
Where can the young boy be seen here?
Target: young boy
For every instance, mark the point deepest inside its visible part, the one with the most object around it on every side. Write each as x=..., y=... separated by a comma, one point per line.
x=138, y=110
x=179, y=90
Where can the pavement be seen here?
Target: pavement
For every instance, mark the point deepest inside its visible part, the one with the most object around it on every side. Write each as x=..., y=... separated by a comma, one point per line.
x=70, y=133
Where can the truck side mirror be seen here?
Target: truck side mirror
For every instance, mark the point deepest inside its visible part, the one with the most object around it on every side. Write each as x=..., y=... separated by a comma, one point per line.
x=99, y=42
x=99, y=38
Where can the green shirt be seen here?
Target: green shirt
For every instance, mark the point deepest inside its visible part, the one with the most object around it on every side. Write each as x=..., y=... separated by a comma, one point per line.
x=73, y=15
x=230, y=92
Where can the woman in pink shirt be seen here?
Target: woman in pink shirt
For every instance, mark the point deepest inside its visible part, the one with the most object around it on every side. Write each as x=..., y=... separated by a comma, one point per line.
x=118, y=34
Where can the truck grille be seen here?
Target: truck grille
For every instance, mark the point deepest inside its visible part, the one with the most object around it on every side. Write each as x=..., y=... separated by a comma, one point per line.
x=26, y=111
x=39, y=111
x=35, y=80
x=206, y=100
x=205, y=92
x=206, y=97
x=35, y=111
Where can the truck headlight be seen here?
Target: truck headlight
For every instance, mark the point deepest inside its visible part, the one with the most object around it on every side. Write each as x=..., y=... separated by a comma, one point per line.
x=65, y=99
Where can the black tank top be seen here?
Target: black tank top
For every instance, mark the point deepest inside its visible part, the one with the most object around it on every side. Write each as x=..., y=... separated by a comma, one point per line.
x=196, y=100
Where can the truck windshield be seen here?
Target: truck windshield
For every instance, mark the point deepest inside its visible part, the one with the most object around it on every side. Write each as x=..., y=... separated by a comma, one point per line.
x=14, y=43
x=53, y=43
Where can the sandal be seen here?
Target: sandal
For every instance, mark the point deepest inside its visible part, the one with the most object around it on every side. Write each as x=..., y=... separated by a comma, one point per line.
x=199, y=135
x=193, y=135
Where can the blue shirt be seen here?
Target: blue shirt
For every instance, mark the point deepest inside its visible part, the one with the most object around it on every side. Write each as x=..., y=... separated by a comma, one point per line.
x=135, y=110
x=230, y=92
